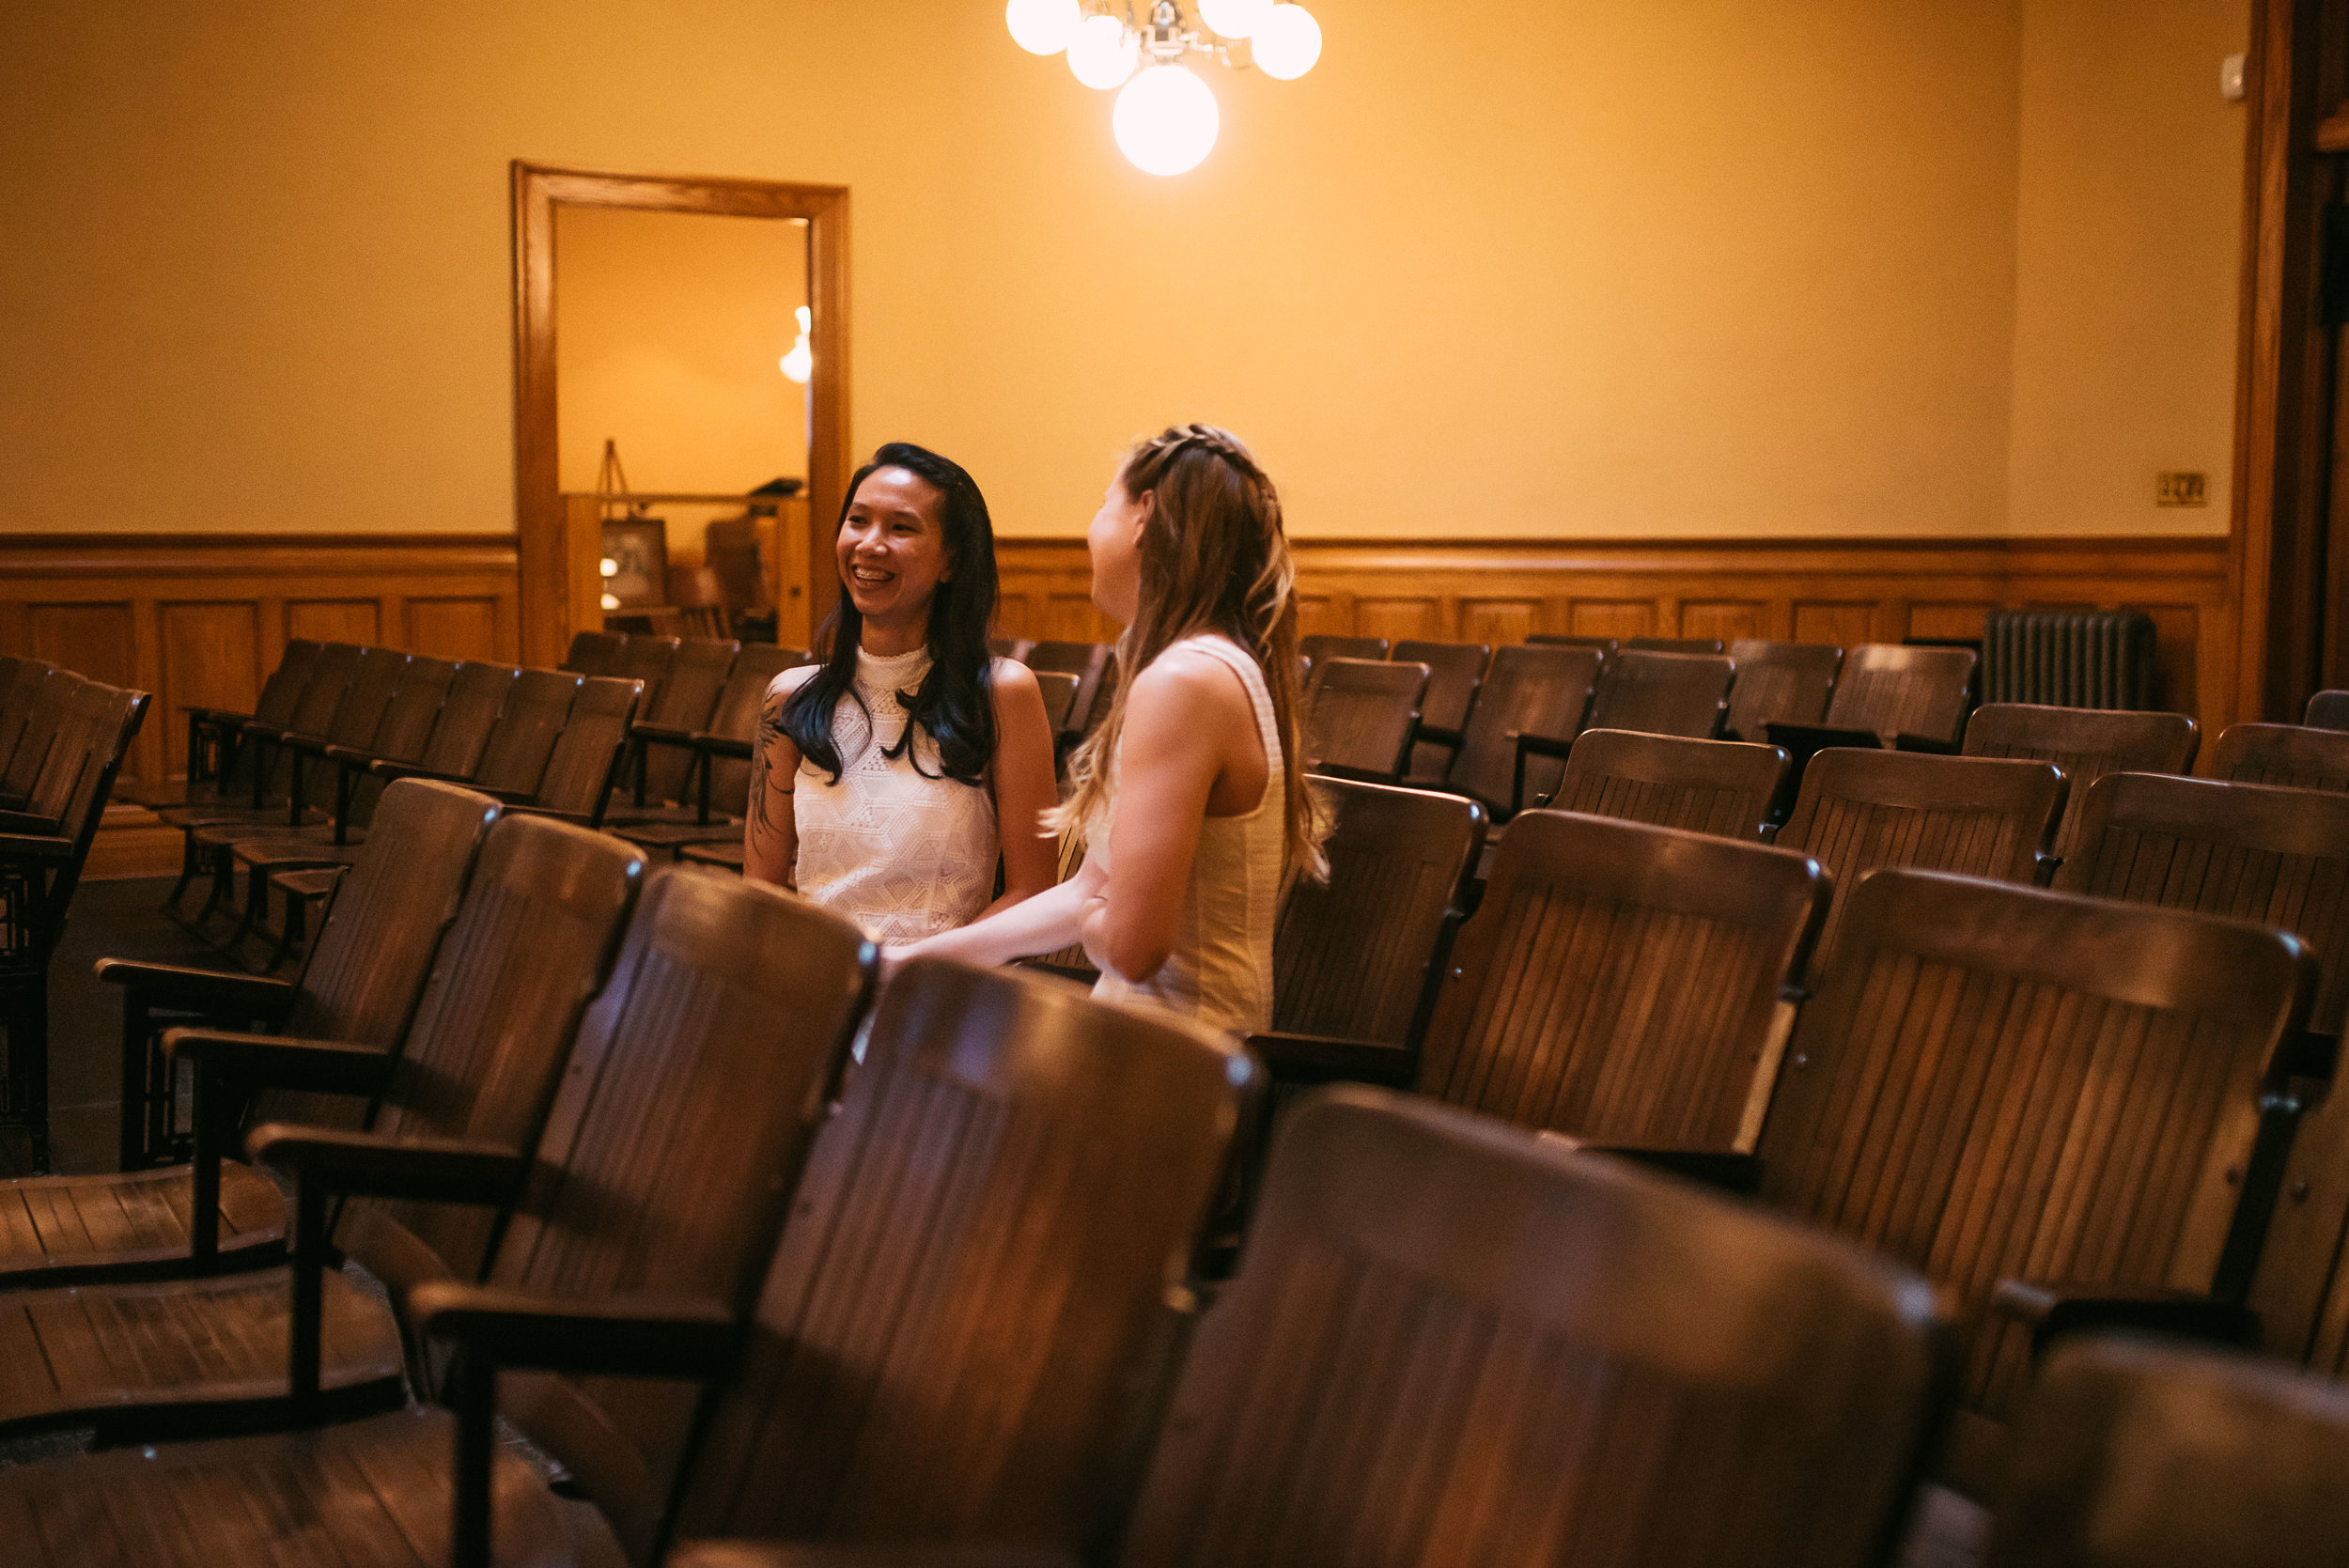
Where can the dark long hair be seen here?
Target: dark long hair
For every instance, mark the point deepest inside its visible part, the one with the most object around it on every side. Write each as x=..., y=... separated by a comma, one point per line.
x=952, y=704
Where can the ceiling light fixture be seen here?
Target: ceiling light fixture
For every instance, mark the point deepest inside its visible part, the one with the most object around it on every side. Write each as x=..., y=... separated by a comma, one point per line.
x=1166, y=117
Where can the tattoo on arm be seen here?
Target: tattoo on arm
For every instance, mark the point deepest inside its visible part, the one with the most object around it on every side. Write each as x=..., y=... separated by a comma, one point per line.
x=770, y=735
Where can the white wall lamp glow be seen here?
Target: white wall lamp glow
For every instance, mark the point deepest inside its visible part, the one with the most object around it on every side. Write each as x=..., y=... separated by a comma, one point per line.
x=800, y=362
x=1166, y=119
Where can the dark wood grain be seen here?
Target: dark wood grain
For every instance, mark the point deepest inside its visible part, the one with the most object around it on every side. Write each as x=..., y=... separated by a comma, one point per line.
x=1361, y=716
x=1662, y=693
x=2086, y=743
x=1707, y=786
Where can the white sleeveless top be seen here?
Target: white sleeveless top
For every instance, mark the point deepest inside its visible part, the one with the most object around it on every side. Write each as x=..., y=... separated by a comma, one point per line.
x=1221, y=971
x=902, y=854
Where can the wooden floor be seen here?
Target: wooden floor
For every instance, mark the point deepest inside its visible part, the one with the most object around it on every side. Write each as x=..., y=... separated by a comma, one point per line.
x=111, y=919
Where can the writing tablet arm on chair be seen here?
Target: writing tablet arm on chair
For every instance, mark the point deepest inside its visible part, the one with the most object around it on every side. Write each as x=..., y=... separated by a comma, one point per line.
x=2052, y=1308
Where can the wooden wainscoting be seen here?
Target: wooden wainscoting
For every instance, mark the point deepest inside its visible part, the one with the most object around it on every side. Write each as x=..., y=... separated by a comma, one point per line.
x=203, y=618
x=1843, y=591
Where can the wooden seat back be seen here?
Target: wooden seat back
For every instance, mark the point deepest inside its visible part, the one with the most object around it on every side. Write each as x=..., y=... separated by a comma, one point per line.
x=646, y=658
x=586, y=755
x=1790, y=682
x=694, y=1087
x=20, y=702
x=367, y=966
x=2327, y=710
x=686, y=701
x=408, y=720
x=2136, y=1455
x=1360, y=716
x=2290, y=754
x=593, y=653
x=513, y=758
x=1090, y=663
x=461, y=732
x=56, y=745
x=957, y=1338
x=108, y=722
x=1897, y=691
x=271, y=771
x=1997, y=1083
x=736, y=716
x=1323, y=645
x=1455, y=671
x=1355, y=957
x=1983, y=817
x=1662, y=693
x=533, y=940
x=1676, y=644
x=1530, y=689
x=2086, y=743
x=1607, y=647
x=1723, y=788
x=1625, y=984
x=1059, y=691
x=1448, y=1342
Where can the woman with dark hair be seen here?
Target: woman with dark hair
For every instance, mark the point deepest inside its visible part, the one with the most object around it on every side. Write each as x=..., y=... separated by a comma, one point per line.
x=1191, y=796
x=881, y=775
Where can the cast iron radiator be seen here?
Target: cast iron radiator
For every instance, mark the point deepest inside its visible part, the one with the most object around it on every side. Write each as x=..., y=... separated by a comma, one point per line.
x=2068, y=657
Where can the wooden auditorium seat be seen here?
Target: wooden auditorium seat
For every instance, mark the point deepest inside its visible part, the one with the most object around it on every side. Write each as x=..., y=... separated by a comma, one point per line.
x=1675, y=644
x=1530, y=689
x=1790, y=682
x=1722, y=787
x=2327, y=710
x=360, y=986
x=2291, y=754
x=1361, y=716
x=718, y=758
x=2086, y=743
x=2037, y=1098
x=594, y=653
x=1322, y=646
x=1891, y=695
x=1090, y=663
x=1455, y=671
x=531, y=943
x=1983, y=817
x=1660, y=692
x=213, y=734
x=1606, y=647
x=684, y=703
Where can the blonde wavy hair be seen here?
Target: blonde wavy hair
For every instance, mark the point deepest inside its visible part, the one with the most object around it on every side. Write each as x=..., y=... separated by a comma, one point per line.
x=1214, y=559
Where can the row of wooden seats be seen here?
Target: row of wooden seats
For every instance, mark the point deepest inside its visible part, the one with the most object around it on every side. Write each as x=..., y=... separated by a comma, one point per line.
x=1444, y=1336
x=63, y=739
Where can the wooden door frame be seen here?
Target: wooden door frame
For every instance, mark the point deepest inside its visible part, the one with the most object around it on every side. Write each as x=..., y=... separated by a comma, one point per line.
x=547, y=609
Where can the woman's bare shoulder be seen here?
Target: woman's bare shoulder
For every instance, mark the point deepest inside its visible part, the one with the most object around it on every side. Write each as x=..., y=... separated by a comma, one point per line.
x=792, y=679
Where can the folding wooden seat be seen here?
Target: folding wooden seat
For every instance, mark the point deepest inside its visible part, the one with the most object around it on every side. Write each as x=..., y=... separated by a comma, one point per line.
x=666, y=1168
x=58, y=735
x=1621, y=984
x=270, y=772
x=685, y=704
x=717, y=758
x=41, y=858
x=215, y=733
x=531, y=944
x=1090, y=663
x=2054, y=1105
x=1322, y=646
x=1360, y=716
x=1662, y=693
x=1722, y=787
x=1985, y=816
x=1791, y=682
x=2327, y=710
x=1891, y=695
x=21, y=701
x=1450, y=1344
x=2290, y=754
x=1455, y=671
x=593, y=653
x=1530, y=689
x=1059, y=691
x=646, y=659
x=360, y=986
x=2086, y=743
x=1675, y=644
x=2138, y=1454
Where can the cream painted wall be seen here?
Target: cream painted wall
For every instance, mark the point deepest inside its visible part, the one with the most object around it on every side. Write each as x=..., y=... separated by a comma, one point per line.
x=668, y=326
x=2129, y=239
x=1610, y=268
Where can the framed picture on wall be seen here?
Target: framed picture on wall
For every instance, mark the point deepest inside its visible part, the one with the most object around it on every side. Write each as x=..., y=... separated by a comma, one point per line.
x=638, y=550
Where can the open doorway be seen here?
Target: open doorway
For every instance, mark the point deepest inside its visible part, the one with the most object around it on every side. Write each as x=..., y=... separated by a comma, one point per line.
x=664, y=316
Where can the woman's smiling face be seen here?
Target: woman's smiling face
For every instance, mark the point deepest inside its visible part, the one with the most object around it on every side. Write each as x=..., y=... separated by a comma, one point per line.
x=892, y=546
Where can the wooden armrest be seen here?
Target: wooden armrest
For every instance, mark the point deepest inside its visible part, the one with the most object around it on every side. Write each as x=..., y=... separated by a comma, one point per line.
x=625, y=1335
x=523, y=808
x=198, y=990
x=1721, y=1167
x=432, y=1170
x=1436, y=734
x=1342, y=770
x=661, y=734
x=330, y=1066
x=388, y=770
x=797, y=1553
x=34, y=845
x=1904, y=741
x=1325, y=1058
x=308, y=745
x=2050, y=1308
x=723, y=745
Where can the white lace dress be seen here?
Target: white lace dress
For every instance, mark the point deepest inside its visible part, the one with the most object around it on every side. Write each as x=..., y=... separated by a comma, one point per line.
x=902, y=853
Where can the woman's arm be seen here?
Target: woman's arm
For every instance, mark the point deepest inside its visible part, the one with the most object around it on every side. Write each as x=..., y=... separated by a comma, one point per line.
x=1021, y=776
x=1043, y=923
x=771, y=835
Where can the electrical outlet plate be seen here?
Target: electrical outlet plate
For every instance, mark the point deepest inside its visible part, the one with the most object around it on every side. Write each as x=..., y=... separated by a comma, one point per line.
x=2182, y=489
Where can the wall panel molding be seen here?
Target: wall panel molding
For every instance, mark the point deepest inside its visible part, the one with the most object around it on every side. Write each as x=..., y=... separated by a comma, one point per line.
x=1812, y=590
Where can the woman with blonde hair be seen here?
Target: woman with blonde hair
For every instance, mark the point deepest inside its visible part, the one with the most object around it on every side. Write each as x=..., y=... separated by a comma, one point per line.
x=1190, y=795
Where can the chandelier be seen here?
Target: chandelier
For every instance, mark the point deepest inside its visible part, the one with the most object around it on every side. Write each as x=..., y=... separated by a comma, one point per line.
x=1166, y=120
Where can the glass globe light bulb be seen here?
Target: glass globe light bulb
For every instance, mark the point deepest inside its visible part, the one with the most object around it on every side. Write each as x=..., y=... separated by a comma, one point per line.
x=1233, y=19
x=1042, y=26
x=799, y=363
x=1103, y=53
x=608, y=567
x=1165, y=121
x=1286, y=43
x=610, y=601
